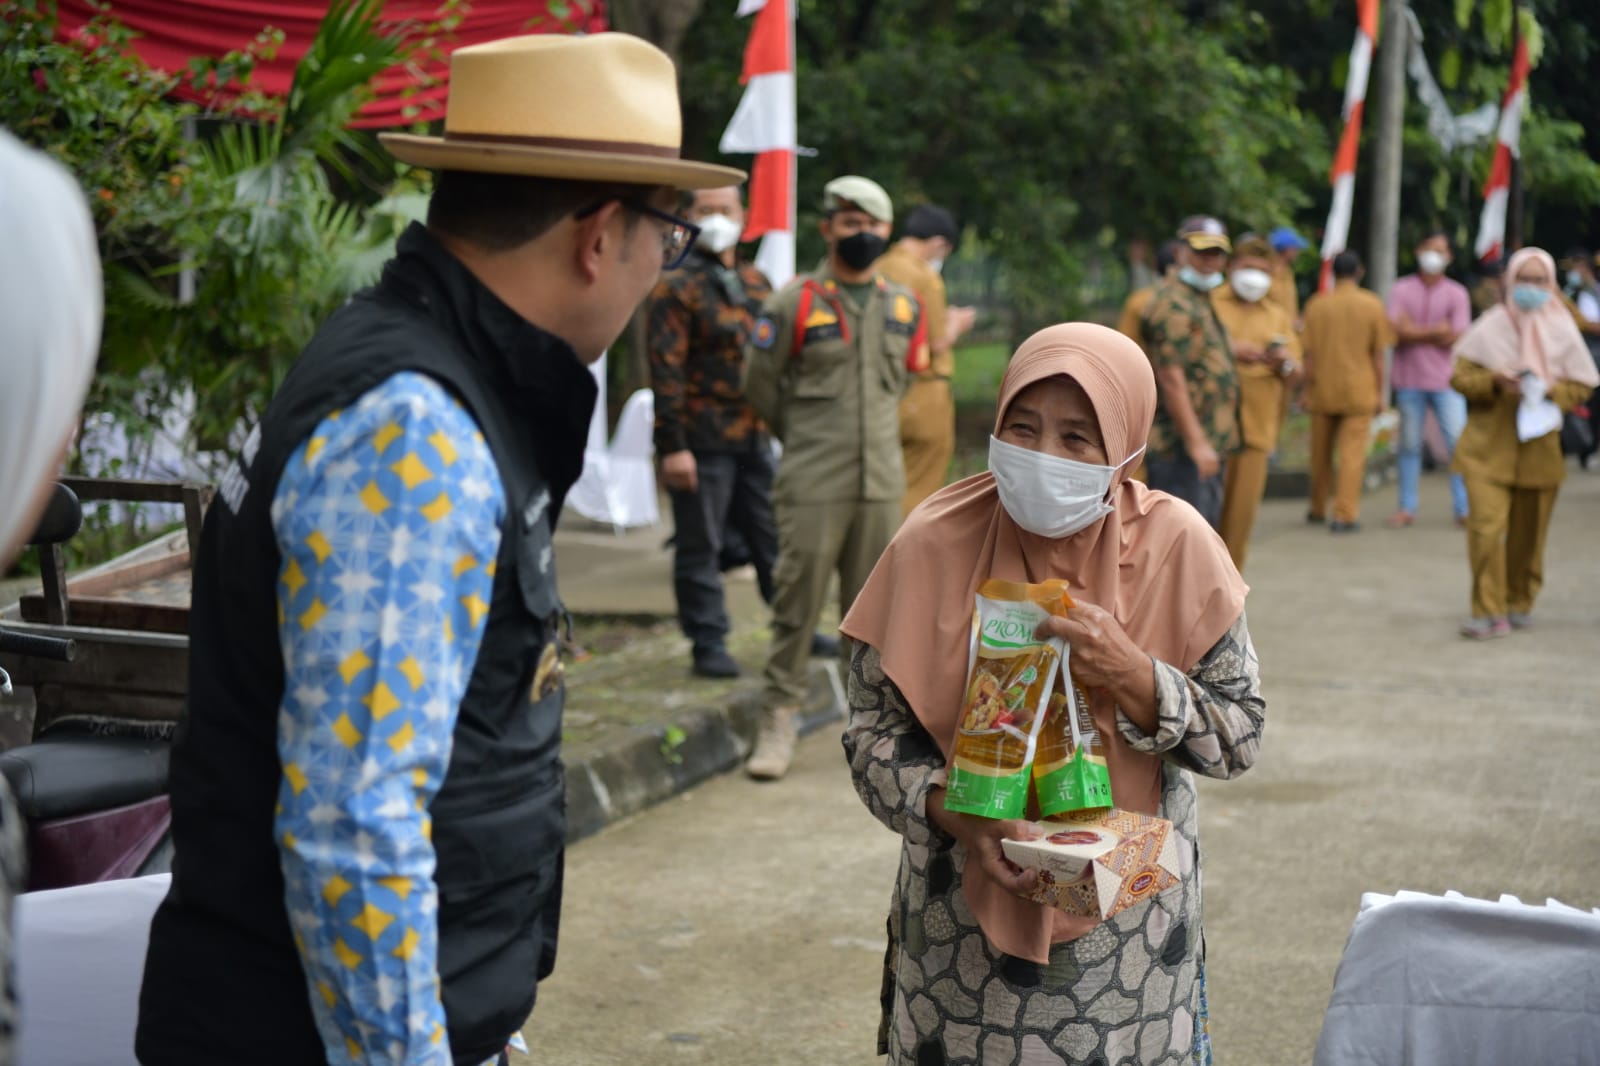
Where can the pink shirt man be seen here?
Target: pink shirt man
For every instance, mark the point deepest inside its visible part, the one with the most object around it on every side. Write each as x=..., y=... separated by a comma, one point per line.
x=1420, y=365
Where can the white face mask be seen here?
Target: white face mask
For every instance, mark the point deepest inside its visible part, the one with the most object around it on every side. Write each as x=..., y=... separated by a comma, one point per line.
x=1251, y=284
x=936, y=265
x=1432, y=262
x=718, y=233
x=1047, y=495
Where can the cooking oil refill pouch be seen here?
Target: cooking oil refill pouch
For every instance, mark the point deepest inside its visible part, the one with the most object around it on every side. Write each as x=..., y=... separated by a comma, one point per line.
x=1010, y=677
x=1069, y=768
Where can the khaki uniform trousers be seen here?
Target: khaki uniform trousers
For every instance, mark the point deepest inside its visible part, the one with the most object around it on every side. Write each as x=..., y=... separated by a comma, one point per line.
x=1346, y=436
x=1244, y=482
x=1506, y=528
x=927, y=438
x=1244, y=479
x=815, y=542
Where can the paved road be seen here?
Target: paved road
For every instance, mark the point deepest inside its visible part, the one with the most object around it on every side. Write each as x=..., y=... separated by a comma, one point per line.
x=742, y=924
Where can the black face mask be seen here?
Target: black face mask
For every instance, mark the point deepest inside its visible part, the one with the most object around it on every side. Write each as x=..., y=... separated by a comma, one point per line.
x=861, y=250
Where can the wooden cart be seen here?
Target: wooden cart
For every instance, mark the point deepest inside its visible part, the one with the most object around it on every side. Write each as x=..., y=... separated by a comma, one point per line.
x=128, y=619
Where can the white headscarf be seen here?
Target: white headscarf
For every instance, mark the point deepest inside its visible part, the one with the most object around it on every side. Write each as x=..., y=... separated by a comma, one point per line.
x=50, y=312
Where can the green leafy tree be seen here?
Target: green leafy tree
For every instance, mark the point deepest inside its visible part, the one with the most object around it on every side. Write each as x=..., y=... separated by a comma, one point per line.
x=1468, y=46
x=1055, y=130
x=228, y=230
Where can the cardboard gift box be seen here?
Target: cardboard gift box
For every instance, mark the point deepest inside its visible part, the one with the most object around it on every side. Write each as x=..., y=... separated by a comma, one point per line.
x=1097, y=863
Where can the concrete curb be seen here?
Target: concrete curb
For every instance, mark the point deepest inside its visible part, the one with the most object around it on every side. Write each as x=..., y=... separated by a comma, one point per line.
x=655, y=764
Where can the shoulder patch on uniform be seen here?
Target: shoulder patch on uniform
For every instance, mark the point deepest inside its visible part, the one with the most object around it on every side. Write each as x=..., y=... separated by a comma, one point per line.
x=765, y=333
x=904, y=309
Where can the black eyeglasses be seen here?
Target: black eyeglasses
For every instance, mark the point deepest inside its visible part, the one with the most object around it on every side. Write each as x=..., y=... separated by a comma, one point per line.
x=676, y=239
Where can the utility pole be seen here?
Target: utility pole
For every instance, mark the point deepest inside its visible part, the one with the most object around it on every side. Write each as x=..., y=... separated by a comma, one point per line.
x=1513, y=240
x=1384, y=232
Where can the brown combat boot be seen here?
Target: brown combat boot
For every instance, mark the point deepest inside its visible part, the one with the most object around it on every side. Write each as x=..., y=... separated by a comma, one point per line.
x=774, y=751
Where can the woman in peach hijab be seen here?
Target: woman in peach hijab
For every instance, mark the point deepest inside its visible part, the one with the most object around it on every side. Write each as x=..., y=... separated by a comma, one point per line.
x=974, y=971
x=1522, y=354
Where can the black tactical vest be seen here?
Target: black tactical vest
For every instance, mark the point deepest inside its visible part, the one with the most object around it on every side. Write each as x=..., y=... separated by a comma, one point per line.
x=223, y=981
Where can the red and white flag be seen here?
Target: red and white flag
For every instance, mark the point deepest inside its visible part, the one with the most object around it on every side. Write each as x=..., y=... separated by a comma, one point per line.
x=1343, y=175
x=1497, y=190
x=764, y=124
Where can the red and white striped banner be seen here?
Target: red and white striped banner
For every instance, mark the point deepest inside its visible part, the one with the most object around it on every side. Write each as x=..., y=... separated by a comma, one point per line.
x=764, y=124
x=1343, y=175
x=1497, y=190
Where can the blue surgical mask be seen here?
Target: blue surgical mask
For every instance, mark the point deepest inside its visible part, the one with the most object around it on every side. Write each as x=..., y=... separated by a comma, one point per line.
x=1529, y=297
x=1196, y=280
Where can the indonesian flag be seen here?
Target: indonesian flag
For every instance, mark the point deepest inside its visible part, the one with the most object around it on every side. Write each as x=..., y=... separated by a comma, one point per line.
x=1492, y=225
x=1343, y=174
x=764, y=124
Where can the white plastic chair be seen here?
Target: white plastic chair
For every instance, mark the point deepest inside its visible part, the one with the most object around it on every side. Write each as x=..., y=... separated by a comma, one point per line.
x=80, y=961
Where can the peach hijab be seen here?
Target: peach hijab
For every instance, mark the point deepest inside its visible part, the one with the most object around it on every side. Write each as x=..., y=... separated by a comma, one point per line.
x=1153, y=562
x=1545, y=341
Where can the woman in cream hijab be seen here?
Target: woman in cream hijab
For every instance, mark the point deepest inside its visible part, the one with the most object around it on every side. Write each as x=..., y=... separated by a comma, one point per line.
x=1523, y=354
x=974, y=971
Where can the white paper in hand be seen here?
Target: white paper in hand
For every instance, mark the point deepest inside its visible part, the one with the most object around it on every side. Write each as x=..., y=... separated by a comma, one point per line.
x=1537, y=419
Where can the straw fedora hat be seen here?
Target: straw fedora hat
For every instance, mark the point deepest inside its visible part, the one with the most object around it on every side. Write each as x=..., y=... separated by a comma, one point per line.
x=597, y=108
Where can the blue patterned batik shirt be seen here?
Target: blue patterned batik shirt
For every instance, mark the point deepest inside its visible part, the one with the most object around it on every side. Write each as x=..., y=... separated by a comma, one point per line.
x=388, y=521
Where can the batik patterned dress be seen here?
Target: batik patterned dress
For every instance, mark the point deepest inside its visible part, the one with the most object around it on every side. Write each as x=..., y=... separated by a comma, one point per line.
x=1130, y=991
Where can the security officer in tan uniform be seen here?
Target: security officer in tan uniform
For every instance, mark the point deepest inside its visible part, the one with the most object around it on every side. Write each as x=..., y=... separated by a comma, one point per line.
x=828, y=362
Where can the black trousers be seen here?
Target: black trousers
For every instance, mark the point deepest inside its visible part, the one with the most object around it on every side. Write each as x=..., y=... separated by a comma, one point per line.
x=735, y=495
x=1175, y=473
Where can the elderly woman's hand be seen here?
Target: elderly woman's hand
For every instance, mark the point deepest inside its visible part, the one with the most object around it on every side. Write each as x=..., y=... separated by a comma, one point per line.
x=981, y=838
x=1103, y=656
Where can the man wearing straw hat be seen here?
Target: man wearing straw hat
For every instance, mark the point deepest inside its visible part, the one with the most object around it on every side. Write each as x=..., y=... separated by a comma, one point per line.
x=368, y=803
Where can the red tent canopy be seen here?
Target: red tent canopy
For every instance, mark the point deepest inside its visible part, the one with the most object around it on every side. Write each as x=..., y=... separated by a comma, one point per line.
x=171, y=32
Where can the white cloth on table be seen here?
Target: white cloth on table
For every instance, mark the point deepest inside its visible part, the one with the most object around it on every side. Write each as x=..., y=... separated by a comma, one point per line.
x=1455, y=981
x=80, y=961
x=618, y=486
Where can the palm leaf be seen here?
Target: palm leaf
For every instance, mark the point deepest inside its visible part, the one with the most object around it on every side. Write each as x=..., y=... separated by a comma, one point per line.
x=350, y=49
x=137, y=290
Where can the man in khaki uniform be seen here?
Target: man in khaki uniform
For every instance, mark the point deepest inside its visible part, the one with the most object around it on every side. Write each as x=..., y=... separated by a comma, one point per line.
x=1286, y=246
x=828, y=362
x=928, y=413
x=1266, y=352
x=1346, y=332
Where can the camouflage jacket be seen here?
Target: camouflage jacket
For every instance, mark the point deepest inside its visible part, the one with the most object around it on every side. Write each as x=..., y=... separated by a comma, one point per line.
x=700, y=317
x=1179, y=328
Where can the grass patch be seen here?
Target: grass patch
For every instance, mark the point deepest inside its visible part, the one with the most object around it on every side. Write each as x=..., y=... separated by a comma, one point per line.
x=976, y=385
x=979, y=368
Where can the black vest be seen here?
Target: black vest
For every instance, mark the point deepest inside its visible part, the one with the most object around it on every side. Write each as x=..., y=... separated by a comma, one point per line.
x=223, y=980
